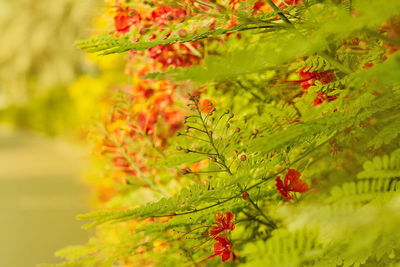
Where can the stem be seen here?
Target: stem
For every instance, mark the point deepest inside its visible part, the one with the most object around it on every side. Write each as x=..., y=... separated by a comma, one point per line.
x=382, y=37
x=280, y=14
x=197, y=129
x=208, y=171
x=194, y=137
x=133, y=165
x=256, y=219
x=335, y=63
x=220, y=157
x=205, y=4
x=199, y=152
x=271, y=223
x=143, y=133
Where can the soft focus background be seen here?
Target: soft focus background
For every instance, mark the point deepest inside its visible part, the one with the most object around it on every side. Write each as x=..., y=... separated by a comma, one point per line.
x=45, y=100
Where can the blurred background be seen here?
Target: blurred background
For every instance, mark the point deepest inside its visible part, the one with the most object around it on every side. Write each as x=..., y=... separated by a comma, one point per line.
x=49, y=90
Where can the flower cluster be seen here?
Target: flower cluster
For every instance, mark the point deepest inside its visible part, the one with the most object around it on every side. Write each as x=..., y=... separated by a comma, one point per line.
x=222, y=247
x=164, y=56
x=126, y=17
x=309, y=78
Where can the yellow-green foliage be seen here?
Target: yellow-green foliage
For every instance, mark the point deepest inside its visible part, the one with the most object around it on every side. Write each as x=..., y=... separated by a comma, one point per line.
x=346, y=149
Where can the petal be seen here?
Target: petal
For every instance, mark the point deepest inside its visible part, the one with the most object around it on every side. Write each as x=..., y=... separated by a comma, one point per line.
x=291, y=178
x=218, y=248
x=229, y=216
x=281, y=188
x=223, y=240
x=219, y=217
x=290, y=196
x=230, y=223
x=231, y=226
x=226, y=255
x=215, y=230
x=301, y=187
x=279, y=183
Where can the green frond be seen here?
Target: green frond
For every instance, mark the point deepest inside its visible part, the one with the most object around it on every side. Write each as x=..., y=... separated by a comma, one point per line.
x=382, y=167
x=284, y=248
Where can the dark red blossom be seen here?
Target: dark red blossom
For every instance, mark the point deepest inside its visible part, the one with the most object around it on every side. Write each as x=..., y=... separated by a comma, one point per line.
x=225, y=222
x=309, y=78
x=292, y=183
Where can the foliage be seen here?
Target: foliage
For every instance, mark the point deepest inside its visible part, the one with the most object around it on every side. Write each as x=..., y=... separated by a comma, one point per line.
x=229, y=96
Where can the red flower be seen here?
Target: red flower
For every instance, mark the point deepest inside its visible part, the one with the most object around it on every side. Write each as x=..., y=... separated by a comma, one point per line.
x=319, y=99
x=125, y=18
x=225, y=222
x=222, y=248
x=322, y=97
x=309, y=78
x=292, y=183
x=258, y=5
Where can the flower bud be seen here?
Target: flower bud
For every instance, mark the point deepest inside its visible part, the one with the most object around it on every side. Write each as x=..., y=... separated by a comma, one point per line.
x=186, y=150
x=237, y=129
x=235, y=152
x=255, y=131
x=243, y=157
x=185, y=171
x=182, y=33
x=214, y=159
x=245, y=196
x=178, y=148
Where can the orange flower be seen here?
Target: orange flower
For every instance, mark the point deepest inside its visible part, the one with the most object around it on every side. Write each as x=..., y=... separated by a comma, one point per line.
x=207, y=105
